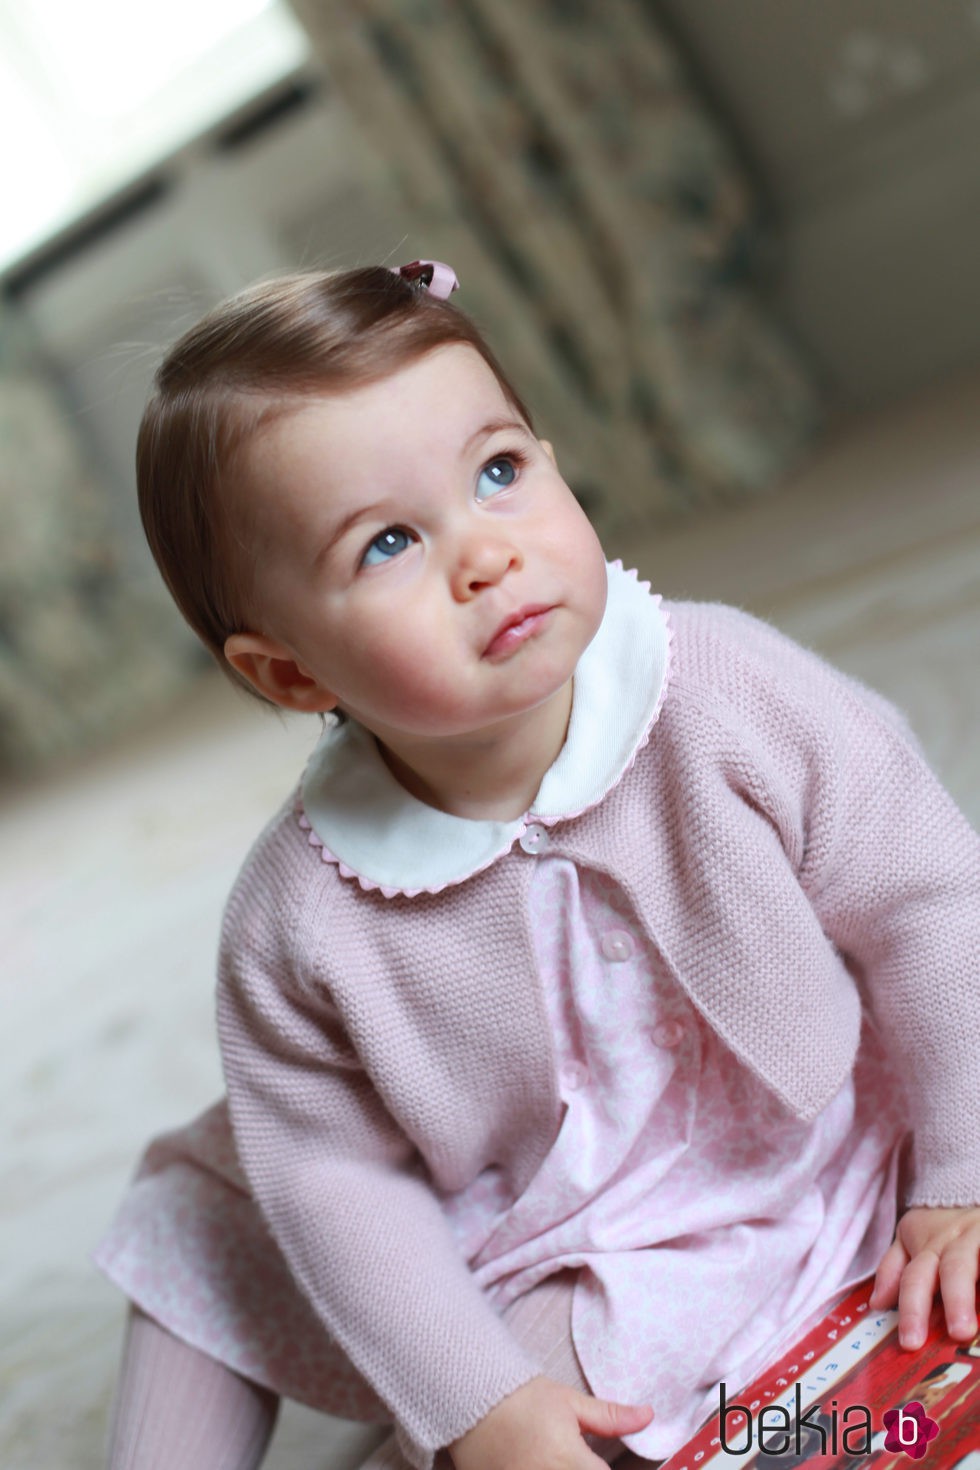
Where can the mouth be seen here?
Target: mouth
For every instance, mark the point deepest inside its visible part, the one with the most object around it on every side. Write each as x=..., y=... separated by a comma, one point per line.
x=517, y=629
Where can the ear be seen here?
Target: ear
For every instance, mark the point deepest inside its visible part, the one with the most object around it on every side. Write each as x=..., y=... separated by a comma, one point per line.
x=271, y=668
x=549, y=450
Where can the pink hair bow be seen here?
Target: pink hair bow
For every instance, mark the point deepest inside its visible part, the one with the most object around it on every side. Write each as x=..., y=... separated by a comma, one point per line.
x=433, y=275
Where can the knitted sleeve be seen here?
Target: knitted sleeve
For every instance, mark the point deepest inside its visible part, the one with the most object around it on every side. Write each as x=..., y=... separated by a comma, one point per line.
x=891, y=868
x=342, y=1189
x=896, y=885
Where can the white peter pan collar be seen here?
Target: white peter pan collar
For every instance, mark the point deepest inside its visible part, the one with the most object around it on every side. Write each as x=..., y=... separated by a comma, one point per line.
x=375, y=831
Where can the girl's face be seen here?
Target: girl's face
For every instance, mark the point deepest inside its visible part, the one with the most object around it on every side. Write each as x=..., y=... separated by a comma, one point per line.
x=420, y=562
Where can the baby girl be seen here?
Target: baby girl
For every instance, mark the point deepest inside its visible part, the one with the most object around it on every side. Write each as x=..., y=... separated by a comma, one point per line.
x=611, y=971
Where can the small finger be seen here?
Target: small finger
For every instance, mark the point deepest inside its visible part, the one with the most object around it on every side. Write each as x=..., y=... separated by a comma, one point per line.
x=611, y=1420
x=920, y=1280
x=888, y=1276
x=958, y=1285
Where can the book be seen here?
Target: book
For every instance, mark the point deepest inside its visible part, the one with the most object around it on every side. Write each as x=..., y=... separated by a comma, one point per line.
x=845, y=1396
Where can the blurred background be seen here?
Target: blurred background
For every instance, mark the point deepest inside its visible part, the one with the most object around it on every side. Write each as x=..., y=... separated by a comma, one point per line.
x=727, y=252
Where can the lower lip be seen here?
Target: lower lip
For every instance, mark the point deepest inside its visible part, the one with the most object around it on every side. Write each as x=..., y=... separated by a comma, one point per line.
x=517, y=634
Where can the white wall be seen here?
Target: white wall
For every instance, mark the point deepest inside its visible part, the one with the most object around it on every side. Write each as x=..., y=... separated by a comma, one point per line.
x=862, y=121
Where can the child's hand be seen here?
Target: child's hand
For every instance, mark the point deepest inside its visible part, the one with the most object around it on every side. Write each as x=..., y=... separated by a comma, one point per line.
x=540, y=1427
x=932, y=1248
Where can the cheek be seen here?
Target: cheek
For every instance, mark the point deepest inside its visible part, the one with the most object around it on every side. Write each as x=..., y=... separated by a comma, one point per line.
x=586, y=556
x=570, y=527
x=401, y=660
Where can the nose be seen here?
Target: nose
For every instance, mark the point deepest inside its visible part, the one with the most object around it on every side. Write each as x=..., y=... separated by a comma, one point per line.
x=483, y=560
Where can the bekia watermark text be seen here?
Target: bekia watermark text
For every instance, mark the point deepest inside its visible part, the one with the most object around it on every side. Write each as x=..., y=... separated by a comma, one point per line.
x=778, y=1430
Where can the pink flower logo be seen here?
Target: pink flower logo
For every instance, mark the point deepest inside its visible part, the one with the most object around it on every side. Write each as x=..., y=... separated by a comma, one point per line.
x=909, y=1429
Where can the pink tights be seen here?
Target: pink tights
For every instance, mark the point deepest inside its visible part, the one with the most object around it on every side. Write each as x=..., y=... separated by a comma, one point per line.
x=176, y=1407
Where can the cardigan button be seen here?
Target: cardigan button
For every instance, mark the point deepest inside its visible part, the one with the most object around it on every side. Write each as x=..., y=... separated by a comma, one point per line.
x=668, y=1034
x=574, y=1075
x=534, y=839
x=617, y=945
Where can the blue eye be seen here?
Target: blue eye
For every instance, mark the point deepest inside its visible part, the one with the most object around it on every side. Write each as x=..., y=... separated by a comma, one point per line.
x=496, y=475
x=388, y=543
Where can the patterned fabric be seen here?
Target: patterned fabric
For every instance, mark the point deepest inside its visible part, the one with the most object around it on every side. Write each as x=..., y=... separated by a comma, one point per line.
x=558, y=157
x=190, y=1247
x=685, y=1191
x=86, y=647
x=677, y=1182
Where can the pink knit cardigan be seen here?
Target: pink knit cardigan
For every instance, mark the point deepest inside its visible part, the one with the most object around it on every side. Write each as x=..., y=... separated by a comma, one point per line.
x=788, y=853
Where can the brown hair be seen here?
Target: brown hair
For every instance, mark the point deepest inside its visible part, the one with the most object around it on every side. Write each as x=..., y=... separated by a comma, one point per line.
x=244, y=363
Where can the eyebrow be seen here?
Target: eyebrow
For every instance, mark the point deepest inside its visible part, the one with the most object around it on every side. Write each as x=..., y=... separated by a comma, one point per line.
x=494, y=426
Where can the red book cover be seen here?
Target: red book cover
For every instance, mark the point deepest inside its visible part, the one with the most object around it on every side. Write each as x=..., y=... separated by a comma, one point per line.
x=845, y=1396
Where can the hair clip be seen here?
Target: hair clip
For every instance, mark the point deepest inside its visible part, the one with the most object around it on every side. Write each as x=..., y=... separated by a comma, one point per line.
x=430, y=275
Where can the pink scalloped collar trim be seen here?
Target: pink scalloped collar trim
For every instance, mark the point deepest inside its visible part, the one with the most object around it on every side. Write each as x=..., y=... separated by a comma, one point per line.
x=370, y=885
